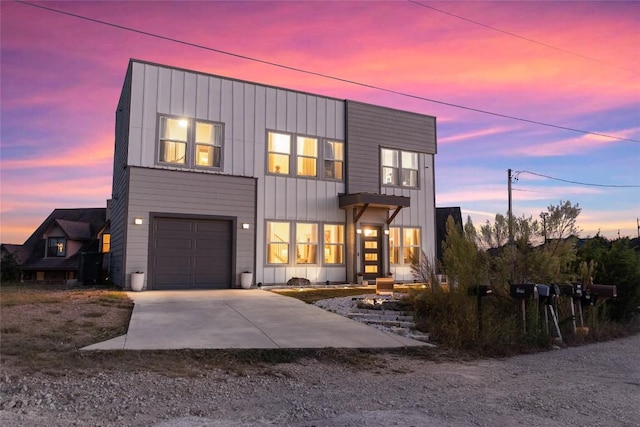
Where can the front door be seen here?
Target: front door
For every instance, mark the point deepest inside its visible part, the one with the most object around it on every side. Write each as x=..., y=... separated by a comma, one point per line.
x=371, y=252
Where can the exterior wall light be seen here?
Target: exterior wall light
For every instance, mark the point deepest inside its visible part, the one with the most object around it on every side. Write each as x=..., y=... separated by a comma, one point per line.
x=137, y=221
x=359, y=230
x=386, y=232
x=245, y=226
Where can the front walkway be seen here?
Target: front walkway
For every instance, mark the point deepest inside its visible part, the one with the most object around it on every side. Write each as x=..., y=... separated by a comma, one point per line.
x=239, y=318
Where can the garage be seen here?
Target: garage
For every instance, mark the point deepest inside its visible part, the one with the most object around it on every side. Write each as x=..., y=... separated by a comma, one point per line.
x=191, y=253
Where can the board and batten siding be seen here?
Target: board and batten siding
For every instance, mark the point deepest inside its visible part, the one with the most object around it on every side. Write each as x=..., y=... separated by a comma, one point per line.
x=118, y=224
x=188, y=193
x=370, y=127
x=247, y=111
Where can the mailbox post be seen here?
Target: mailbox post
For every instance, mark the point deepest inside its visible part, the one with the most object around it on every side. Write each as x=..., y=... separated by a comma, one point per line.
x=479, y=291
x=523, y=292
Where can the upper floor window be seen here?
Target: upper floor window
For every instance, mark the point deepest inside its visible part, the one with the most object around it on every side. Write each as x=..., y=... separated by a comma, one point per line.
x=56, y=247
x=190, y=142
x=333, y=160
x=399, y=168
x=305, y=157
x=279, y=147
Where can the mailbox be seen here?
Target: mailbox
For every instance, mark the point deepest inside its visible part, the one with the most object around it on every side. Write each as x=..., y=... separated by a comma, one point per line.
x=567, y=290
x=479, y=290
x=577, y=289
x=605, y=291
x=525, y=290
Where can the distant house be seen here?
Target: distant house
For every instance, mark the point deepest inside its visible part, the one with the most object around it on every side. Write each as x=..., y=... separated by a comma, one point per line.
x=214, y=176
x=64, y=246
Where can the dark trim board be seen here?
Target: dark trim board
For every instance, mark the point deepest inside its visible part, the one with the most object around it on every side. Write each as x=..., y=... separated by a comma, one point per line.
x=178, y=246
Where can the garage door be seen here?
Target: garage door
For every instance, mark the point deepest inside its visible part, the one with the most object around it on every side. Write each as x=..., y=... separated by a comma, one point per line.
x=191, y=253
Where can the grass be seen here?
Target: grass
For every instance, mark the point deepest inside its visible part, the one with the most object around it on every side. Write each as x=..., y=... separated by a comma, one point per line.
x=43, y=328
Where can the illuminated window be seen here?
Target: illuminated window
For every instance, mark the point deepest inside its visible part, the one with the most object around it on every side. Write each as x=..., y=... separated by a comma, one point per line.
x=399, y=168
x=57, y=247
x=278, y=242
x=173, y=140
x=106, y=243
x=309, y=155
x=306, y=243
x=333, y=160
x=181, y=136
x=411, y=245
x=404, y=245
x=394, y=245
x=279, y=147
x=208, y=144
x=333, y=244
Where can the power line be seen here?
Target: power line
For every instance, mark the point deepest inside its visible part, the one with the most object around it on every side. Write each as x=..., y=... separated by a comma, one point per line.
x=574, y=182
x=318, y=74
x=522, y=37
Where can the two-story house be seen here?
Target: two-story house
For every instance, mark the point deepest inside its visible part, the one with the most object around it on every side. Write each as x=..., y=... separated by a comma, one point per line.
x=214, y=176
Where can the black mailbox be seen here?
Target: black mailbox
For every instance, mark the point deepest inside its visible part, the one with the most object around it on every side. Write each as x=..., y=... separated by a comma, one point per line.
x=605, y=291
x=525, y=290
x=479, y=290
x=577, y=289
x=567, y=290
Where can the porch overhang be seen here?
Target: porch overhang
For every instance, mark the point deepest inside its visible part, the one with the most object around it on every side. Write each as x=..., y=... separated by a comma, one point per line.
x=363, y=201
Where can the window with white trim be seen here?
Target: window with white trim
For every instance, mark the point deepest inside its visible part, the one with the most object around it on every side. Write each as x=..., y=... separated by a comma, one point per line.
x=333, y=244
x=399, y=168
x=279, y=153
x=190, y=142
x=307, y=243
x=277, y=242
x=404, y=245
x=309, y=157
x=334, y=160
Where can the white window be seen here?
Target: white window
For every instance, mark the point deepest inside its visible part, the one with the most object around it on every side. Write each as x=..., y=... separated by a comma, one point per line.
x=279, y=150
x=307, y=243
x=334, y=160
x=307, y=156
x=404, y=245
x=179, y=137
x=277, y=242
x=333, y=244
x=312, y=157
x=399, y=168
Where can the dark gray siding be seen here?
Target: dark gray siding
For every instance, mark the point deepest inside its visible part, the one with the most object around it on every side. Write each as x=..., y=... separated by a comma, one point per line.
x=157, y=191
x=370, y=127
x=119, y=185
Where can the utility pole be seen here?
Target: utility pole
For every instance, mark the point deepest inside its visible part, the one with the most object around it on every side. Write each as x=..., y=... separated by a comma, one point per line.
x=510, y=212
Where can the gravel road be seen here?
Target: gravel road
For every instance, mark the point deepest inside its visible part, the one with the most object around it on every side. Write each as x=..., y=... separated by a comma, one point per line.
x=594, y=385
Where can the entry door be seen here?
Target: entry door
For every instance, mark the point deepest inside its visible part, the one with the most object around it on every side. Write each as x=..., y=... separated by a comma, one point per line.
x=371, y=252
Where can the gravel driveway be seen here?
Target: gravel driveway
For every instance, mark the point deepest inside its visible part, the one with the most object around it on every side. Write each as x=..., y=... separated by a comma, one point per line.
x=594, y=385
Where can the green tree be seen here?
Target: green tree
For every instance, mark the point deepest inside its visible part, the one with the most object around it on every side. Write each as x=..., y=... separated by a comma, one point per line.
x=464, y=263
x=9, y=268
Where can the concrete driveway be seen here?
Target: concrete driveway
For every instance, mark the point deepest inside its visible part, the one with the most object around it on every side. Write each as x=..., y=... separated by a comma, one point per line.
x=240, y=318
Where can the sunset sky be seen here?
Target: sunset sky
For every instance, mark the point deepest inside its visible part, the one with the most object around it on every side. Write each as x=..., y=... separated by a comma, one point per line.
x=567, y=64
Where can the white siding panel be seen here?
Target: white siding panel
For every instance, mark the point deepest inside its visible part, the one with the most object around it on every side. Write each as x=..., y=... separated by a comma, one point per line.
x=202, y=97
x=164, y=91
x=137, y=96
x=321, y=114
x=190, y=87
x=281, y=110
x=215, y=98
x=301, y=110
x=292, y=112
x=331, y=119
x=271, y=115
x=177, y=92
x=312, y=115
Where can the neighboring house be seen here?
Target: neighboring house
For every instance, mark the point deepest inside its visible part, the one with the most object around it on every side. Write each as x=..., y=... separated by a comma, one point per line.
x=214, y=176
x=57, y=250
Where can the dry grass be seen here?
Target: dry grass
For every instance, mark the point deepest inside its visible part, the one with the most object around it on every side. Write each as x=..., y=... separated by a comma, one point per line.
x=43, y=328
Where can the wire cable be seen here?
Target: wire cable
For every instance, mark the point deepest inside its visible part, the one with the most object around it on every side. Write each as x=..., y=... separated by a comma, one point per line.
x=522, y=37
x=327, y=76
x=517, y=173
